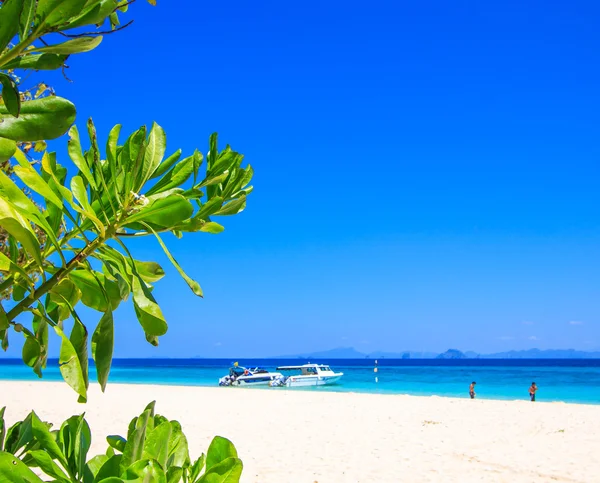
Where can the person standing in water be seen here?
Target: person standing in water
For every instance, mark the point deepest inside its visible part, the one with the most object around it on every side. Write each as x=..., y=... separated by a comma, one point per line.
x=532, y=390
x=472, y=390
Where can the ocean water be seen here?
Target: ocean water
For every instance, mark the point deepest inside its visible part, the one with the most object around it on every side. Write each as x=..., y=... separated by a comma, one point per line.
x=572, y=380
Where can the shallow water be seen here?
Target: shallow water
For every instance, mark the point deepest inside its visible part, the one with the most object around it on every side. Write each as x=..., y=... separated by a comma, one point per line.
x=571, y=380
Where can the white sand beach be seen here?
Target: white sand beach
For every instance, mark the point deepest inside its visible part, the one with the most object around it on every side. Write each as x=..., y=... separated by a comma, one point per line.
x=304, y=437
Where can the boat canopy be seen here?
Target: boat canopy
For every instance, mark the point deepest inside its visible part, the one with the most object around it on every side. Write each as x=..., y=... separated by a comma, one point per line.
x=304, y=366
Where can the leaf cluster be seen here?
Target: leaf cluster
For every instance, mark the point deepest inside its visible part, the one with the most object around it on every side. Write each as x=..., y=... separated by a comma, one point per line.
x=155, y=450
x=132, y=191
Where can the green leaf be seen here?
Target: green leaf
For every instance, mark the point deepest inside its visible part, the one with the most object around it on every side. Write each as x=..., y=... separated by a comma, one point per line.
x=92, y=294
x=102, y=347
x=18, y=435
x=174, y=474
x=31, y=351
x=92, y=468
x=66, y=295
x=134, y=447
x=233, y=207
x=37, y=62
x=74, y=46
x=180, y=173
x=155, y=151
x=82, y=442
x=179, y=454
x=45, y=439
x=214, y=179
x=10, y=94
x=55, y=12
x=195, y=286
x=228, y=471
x=69, y=365
x=7, y=265
x=163, y=212
x=116, y=442
x=219, y=450
x=79, y=340
x=131, y=158
x=133, y=149
x=56, y=176
x=111, y=145
x=166, y=164
x=7, y=149
x=4, y=339
x=76, y=155
x=94, y=15
x=80, y=194
x=47, y=465
x=110, y=469
x=25, y=20
x=33, y=180
x=9, y=13
x=24, y=205
x=19, y=292
x=46, y=118
x=197, y=467
x=147, y=310
x=212, y=227
x=211, y=206
x=13, y=470
x=149, y=271
x=18, y=227
x=156, y=446
x=40, y=327
x=144, y=471
x=4, y=324
x=2, y=428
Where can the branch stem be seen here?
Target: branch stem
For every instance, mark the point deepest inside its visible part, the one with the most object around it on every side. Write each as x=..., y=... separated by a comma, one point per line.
x=57, y=277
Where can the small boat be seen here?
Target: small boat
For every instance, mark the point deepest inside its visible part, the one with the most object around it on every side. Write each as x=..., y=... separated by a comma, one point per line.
x=310, y=375
x=242, y=376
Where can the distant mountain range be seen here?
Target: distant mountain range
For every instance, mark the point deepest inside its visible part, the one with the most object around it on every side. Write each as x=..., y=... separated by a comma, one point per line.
x=352, y=353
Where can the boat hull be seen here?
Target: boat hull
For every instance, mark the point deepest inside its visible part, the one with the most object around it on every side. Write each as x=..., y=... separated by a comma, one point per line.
x=255, y=380
x=305, y=381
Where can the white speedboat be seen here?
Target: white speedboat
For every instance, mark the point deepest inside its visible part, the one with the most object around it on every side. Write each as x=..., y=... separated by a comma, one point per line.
x=242, y=376
x=309, y=375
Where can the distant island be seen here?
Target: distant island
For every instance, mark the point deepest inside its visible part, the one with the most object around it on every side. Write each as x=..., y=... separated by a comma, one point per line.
x=352, y=353
x=452, y=354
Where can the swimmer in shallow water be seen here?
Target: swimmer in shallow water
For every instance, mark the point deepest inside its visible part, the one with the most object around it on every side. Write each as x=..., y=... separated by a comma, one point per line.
x=472, y=390
x=532, y=390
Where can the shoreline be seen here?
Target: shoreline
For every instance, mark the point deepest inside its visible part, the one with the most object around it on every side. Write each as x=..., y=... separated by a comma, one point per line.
x=345, y=437
x=311, y=390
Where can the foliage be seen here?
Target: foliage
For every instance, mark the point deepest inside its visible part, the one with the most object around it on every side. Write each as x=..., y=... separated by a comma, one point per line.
x=63, y=242
x=31, y=34
x=132, y=190
x=156, y=450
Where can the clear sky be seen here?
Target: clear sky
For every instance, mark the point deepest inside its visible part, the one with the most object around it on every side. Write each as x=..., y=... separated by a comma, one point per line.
x=426, y=172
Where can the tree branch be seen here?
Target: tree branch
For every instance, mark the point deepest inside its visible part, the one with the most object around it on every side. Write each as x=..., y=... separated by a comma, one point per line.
x=57, y=277
x=102, y=32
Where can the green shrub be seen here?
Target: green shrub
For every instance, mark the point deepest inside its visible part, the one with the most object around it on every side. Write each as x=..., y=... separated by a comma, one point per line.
x=155, y=451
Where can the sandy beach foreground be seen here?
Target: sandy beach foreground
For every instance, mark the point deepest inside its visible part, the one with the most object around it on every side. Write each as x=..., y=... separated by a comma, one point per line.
x=297, y=436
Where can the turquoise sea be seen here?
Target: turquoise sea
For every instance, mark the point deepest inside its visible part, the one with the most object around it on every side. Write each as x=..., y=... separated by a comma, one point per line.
x=569, y=380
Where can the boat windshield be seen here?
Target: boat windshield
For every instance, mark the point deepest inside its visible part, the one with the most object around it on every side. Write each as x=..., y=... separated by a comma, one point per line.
x=325, y=368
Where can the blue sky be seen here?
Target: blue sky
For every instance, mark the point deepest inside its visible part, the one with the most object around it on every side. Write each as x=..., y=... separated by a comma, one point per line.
x=426, y=172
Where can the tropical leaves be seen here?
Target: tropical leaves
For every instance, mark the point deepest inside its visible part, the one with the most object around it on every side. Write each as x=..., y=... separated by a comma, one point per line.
x=155, y=450
x=86, y=259
x=63, y=242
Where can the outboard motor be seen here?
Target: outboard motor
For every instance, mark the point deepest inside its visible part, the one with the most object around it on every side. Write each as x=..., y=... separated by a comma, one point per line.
x=279, y=381
x=225, y=381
